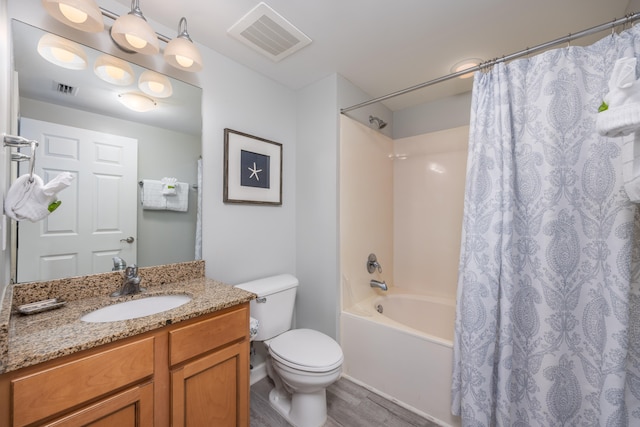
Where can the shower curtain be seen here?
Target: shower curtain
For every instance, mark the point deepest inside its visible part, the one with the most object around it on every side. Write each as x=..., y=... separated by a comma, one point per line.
x=547, y=330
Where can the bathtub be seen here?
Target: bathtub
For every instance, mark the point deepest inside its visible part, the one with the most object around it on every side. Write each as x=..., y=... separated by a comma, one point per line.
x=403, y=353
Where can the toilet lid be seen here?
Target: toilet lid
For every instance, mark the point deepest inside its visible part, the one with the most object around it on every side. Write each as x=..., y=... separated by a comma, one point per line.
x=307, y=349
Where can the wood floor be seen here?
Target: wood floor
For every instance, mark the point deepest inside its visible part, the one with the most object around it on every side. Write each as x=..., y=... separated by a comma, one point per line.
x=348, y=405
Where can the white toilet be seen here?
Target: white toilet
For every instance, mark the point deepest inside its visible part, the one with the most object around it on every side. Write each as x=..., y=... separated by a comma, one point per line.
x=302, y=362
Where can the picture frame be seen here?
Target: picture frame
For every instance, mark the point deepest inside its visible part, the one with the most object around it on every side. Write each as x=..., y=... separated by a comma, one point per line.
x=252, y=169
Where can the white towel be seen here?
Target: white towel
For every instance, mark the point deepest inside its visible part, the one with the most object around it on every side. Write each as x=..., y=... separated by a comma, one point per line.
x=32, y=199
x=620, y=113
x=631, y=166
x=180, y=201
x=168, y=186
x=151, y=195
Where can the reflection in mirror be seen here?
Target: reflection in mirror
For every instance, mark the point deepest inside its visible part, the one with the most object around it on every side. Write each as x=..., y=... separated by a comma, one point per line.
x=84, y=127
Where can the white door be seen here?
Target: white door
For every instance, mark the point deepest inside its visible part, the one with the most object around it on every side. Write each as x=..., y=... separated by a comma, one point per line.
x=98, y=210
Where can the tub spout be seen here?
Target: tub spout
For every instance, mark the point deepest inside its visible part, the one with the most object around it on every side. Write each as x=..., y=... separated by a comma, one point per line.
x=377, y=284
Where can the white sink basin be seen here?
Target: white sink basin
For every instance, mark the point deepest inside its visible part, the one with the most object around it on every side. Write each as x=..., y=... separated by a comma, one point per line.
x=136, y=308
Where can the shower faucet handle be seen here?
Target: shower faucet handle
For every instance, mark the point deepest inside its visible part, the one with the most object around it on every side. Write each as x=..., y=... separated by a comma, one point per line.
x=372, y=264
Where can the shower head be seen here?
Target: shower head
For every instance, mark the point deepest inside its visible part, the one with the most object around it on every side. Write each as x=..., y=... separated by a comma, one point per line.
x=379, y=122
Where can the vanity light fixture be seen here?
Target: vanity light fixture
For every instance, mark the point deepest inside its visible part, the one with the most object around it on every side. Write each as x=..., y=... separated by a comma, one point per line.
x=181, y=52
x=62, y=52
x=132, y=32
x=155, y=84
x=113, y=70
x=84, y=15
x=464, y=65
x=137, y=101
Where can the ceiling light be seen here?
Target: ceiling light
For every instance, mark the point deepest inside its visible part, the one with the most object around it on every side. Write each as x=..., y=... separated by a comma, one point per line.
x=84, y=15
x=137, y=101
x=465, y=64
x=181, y=52
x=113, y=70
x=155, y=84
x=62, y=52
x=133, y=33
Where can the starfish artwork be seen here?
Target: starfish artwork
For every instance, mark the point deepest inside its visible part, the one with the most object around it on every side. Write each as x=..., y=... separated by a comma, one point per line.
x=254, y=172
x=254, y=169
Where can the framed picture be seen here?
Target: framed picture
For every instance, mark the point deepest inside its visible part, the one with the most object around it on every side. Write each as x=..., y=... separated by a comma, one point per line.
x=252, y=169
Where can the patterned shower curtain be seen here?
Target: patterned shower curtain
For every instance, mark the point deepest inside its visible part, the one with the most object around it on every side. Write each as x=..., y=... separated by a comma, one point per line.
x=548, y=313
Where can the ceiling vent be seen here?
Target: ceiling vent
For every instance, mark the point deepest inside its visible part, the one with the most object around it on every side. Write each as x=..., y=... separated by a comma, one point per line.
x=266, y=31
x=65, y=89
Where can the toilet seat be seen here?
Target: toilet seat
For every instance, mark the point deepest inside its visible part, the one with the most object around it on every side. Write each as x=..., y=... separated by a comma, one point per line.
x=306, y=350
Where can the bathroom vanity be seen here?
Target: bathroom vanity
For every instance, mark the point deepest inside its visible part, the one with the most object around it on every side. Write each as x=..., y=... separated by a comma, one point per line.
x=188, y=366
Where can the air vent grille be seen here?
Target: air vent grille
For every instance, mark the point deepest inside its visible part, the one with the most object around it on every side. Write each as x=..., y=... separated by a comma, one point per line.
x=65, y=89
x=264, y=30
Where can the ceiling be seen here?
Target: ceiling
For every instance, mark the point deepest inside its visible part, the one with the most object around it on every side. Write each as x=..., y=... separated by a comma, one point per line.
x=383, y=46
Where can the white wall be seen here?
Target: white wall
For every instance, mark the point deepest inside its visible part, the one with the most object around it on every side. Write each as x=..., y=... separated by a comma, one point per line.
x=317, y=226
x=446, y=113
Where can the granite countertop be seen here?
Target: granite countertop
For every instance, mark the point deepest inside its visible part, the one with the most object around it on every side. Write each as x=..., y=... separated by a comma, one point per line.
x=32, y=339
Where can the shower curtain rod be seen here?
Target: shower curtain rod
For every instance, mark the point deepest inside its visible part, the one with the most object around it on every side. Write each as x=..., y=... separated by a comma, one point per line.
x=609, y=25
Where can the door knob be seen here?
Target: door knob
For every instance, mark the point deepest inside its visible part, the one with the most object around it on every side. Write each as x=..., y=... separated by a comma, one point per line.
x=129, y=239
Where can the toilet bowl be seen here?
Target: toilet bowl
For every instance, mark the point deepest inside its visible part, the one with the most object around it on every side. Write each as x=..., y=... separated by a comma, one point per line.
x=301, y=362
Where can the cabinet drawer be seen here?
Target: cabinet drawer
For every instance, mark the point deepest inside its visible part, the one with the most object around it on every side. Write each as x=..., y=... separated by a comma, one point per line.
x=198, y=338
x=54, y=390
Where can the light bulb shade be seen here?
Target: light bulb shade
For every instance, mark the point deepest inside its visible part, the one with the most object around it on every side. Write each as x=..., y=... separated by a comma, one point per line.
x=137, y=101
x=465, y=64
x=182, y=54
x=114, y=70
x=155, y=84
x=132, y=33
x=62, y=52
x=83, y=15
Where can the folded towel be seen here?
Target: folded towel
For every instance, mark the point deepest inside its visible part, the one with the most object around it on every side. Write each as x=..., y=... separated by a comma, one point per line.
x=168, y=186
x=620, y=113
x=180, y=201
x=31, y=199
x=631, y=166
x=151, y=195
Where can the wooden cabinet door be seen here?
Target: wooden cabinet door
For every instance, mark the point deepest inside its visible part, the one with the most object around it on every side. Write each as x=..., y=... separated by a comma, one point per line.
x=212, y=390
x=130, y=408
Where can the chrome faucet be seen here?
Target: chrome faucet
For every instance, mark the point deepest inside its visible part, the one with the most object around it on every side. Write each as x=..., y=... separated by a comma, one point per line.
x=373, y=264
x=118, y=263
x=377, y=284
x=130, y=282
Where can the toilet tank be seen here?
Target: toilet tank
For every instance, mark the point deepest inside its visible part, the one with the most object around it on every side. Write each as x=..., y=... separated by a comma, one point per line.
x=274, y=306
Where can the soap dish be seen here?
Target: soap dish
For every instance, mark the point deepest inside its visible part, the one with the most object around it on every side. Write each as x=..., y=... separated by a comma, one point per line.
x=40, y=306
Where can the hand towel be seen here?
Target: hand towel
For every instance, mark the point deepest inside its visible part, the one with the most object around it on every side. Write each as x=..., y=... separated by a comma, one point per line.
x=151, y=195
x=631, y=166
x=620, y=111
x=180, y=201
x=168, y=186
x=31, y=199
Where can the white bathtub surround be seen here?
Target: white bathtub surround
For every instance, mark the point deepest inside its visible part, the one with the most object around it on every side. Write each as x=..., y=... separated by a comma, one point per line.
x=408, y=365
x=401, y=200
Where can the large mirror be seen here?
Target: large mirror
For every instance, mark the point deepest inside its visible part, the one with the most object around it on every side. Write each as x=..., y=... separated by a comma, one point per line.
x=84, y=128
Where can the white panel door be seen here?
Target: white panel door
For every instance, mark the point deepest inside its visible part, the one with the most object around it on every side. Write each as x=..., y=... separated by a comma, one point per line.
x=98, y=211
